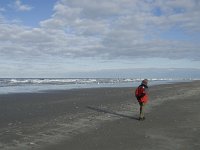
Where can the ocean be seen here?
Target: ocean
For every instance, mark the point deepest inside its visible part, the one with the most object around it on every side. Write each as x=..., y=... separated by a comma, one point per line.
x=28, y=85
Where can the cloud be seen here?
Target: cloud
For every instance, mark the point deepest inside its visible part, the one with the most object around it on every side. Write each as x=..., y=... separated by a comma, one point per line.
x=107, y=29
x=2, y=9
x=21, y=7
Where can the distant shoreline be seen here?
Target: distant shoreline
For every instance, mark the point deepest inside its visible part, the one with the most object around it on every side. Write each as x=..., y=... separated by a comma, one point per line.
x=35, y=85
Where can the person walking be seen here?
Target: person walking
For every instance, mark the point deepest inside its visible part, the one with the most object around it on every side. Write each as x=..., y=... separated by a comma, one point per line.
x=141, y=94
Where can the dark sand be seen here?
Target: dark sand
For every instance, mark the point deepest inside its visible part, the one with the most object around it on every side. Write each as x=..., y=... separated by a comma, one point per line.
x=98, y=119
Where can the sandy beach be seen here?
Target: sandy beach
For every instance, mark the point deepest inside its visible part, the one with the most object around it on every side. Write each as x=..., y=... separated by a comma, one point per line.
x=102, y=119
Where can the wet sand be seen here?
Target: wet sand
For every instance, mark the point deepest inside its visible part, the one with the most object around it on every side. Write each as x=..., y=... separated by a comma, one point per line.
x=104, y=118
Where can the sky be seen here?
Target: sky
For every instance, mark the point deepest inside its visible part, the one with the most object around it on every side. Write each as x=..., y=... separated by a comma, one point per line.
x=68, y=38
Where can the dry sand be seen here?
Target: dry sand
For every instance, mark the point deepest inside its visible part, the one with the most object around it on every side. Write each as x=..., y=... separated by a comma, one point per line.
x=99, y=119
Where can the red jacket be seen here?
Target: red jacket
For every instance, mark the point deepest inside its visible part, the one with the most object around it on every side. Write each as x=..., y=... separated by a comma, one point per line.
x=141, y=93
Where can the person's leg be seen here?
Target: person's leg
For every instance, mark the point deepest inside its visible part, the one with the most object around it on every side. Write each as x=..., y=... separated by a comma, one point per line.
x=141, y=111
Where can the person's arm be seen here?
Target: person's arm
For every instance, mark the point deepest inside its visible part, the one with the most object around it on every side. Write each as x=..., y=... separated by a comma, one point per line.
x=143, y=93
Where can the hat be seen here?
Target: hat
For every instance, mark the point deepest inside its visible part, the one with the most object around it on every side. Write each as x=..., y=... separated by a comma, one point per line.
x=145, y=81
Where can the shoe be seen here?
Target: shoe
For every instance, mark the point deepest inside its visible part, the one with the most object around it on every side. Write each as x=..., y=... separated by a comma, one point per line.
x=141, y=118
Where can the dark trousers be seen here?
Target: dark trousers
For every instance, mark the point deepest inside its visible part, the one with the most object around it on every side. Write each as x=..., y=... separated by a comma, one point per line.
x=142, y=109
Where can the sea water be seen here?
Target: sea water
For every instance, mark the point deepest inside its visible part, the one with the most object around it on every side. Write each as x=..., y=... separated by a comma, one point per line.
x=24, y=85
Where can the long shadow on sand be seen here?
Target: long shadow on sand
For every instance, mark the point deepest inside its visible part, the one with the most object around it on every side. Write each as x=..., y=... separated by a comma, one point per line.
x=111, y=112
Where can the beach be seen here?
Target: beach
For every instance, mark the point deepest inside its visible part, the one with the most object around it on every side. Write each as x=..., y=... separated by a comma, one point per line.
x=102, y=119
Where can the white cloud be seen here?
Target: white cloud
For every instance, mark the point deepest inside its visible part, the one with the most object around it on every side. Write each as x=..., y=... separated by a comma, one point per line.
x=21, y=7
x=111, y=29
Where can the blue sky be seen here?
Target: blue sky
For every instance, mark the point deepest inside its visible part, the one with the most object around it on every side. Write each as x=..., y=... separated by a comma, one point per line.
x=61, y=38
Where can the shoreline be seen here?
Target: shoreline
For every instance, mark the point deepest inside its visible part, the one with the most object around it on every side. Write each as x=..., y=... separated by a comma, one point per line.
x=42, y=120
x=23, y=89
